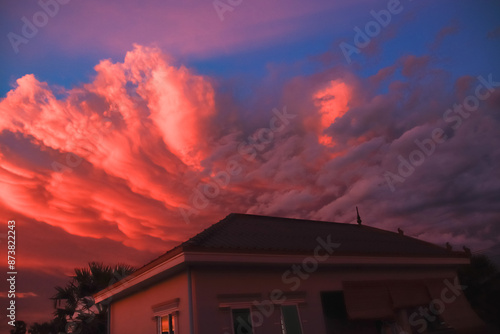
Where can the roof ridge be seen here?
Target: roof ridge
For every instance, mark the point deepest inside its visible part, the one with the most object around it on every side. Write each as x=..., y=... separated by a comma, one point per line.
x=407, y=236
x=209, y=231
x=296, y=219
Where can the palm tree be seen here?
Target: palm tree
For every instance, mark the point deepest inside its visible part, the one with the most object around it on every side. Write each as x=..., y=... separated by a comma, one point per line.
x=19, y=327
x=74, y=304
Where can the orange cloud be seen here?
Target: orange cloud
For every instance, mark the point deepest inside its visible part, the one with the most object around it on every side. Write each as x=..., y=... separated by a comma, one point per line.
x=114, y=151
x=113, y=160
x=333, y=102
x=19, y=294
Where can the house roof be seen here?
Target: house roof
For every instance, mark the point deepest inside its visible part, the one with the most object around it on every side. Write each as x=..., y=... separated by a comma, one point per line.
x=253, y=234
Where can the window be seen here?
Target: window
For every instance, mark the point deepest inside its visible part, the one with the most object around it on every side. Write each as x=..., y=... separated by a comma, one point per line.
x=242, y=324
x=337, y=320
x=290, y=321
x=167, y=314
x=166, y=324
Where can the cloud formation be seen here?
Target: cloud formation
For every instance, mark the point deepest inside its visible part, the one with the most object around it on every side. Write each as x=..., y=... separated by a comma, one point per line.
x=119, y=156
x=110, y=153
x=109, y=166
x=110, y=27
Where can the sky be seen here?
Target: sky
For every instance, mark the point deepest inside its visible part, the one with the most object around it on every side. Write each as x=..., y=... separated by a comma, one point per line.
x=127, y=127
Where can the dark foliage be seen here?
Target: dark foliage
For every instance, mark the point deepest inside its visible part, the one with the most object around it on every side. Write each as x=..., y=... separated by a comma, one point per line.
x=482, y=279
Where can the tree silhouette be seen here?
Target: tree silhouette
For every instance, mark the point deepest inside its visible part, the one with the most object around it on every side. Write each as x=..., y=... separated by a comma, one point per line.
x=45, y=328
x=19, y=327
x=482, y=279
x=74, y=304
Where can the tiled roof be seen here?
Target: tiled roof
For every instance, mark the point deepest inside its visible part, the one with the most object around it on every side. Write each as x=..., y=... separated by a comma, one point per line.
x=253, y=233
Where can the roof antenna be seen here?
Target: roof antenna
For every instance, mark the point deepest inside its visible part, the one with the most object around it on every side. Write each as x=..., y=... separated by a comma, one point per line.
x=358, y=218
x=467, y=251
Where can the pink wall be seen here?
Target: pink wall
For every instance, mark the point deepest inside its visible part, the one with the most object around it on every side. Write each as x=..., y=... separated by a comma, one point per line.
x=134, y=314
x=210, y=282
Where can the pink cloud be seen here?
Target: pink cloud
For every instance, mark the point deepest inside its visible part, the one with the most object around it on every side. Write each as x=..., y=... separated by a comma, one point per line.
x=105, y=169
x=142, y=138
x=19, y=294
x=446, y=31
x=109, y=147
x=111, y=28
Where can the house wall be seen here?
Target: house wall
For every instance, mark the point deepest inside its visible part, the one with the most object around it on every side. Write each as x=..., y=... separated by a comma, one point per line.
x=215, y=287
x=134, y=314
x=209, y=283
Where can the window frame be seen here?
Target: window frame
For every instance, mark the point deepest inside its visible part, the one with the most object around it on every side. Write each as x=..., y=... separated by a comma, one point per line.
x=282, y=318
x=168, y=308
x=172, y=318
x=230, y=302
x=245, y=306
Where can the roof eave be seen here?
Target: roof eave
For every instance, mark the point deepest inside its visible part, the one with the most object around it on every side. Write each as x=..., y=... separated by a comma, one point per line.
x=197, y=257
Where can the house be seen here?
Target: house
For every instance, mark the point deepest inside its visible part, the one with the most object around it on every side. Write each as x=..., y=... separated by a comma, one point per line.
x=263, y=275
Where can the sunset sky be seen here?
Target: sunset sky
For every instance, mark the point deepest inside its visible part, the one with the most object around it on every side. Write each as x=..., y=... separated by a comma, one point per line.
x=128, y=126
